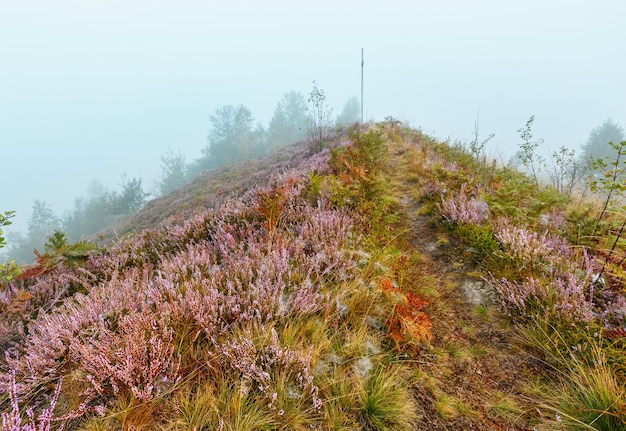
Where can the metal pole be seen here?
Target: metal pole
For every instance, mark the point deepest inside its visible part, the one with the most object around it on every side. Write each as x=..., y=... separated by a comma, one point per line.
x=362, y=63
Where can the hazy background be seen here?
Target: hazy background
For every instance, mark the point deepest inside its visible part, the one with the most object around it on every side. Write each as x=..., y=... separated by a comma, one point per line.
x=93, y=89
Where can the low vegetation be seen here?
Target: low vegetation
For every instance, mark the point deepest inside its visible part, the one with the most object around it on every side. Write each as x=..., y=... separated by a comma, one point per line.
x=556, y=263
x=315, y=301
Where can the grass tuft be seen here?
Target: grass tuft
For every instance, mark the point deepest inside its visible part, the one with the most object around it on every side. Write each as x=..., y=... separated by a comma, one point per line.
x=386, y=400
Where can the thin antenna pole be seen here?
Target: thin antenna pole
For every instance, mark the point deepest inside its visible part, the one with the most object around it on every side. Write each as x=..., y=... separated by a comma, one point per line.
x=362, y=63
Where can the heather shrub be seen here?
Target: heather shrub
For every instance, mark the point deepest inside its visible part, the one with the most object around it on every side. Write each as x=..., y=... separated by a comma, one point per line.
x=467, y=217
x=278, y=374
x=566, y=299
x=529, y=252
x=421, y=165
x=459, y=208
x=236, y=297
x=137, y=357
x=547, y=277
x=13, y=420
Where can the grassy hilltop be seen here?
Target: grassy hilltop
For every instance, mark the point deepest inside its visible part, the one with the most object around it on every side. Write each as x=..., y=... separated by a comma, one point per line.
x=379, y=281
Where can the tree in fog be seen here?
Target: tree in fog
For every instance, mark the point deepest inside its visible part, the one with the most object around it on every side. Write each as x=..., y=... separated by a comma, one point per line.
x=43, y=222
x=527, y=154
x=41, y=225
x=130, y=199
x=100, y=208
x=74, y=222
x=351, y=112
x=259, y=139
x=565, y=170
x=174, y=171
x=597, y=144
x=289, y=122
x=230, y=139
x=319, y=119
x=91, y=213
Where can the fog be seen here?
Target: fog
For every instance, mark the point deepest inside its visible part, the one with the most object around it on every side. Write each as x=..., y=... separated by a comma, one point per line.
x=96, y=89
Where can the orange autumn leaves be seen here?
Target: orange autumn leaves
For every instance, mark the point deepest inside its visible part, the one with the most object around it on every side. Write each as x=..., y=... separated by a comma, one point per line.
x=408, y=323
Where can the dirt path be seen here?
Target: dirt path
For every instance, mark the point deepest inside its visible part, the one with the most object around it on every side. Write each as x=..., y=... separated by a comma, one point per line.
x=472, y=375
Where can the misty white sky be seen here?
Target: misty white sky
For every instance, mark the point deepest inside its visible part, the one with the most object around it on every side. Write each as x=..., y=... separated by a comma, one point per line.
x=94, y=88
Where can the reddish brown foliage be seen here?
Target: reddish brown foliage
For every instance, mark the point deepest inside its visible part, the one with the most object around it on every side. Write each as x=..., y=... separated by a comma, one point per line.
x=349, y=172
x=613, y=333
x=20, y=302
x=30, y=272
x=271, y=204
x=408, y=322
x=44, y=263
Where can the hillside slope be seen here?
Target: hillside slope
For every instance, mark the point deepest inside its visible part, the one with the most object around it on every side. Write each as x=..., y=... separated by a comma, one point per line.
x=209, y=190
x=338, y=290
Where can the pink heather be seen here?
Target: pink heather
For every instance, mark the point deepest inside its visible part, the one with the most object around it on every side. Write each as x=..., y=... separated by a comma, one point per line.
x=216, y=271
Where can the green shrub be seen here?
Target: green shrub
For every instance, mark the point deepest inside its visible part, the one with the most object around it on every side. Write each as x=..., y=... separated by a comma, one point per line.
x=480, y=241
x=8, y=270
x=581, y=223
x=510, y=195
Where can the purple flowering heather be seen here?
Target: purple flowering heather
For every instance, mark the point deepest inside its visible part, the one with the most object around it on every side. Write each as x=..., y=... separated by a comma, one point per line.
x=216, y=271
x=12, y=421
x=566, y=298
x=458, y=208
x=138, y=357
x=256, y=366
x=529, y=248
x=318, y=163
x=568, y=295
